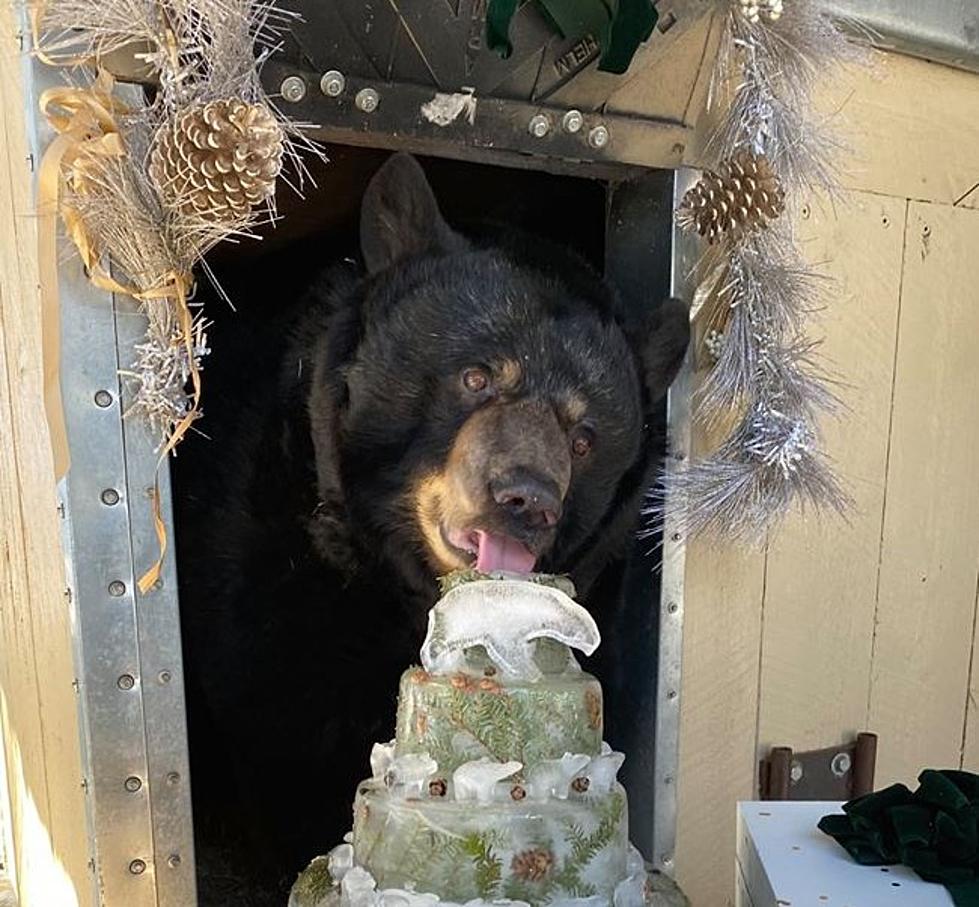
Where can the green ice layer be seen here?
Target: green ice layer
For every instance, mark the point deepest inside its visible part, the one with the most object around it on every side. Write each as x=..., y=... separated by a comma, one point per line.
x=462, y=717
x=528, y=851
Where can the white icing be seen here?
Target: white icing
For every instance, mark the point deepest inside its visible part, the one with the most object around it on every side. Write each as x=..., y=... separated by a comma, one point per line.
x=505, y=617
x=408, y=775
x=382, y=755
x=631, y=891
x=477, y=780
x=553, y=777
x=340, y=861
x=602, y=772
x=358, y=889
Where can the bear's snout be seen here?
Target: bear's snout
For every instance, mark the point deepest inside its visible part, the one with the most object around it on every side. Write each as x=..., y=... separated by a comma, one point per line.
x=527, y=499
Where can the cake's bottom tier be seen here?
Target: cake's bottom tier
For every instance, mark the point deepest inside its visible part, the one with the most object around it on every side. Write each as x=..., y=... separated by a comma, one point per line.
x=539, y=852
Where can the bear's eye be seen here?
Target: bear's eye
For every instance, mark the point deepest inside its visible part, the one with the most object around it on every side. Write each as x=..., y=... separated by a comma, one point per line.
x=581, y=442
x=475, y=380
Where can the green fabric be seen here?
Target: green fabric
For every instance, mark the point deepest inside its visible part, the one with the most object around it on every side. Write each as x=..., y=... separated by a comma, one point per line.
x=619, y=26
x=934, y=831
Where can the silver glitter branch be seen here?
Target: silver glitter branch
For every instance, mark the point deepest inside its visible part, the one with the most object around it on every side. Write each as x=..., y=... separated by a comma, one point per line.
x=764, y=390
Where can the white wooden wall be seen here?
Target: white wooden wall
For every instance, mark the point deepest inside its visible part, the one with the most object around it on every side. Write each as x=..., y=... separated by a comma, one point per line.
x=836, y=628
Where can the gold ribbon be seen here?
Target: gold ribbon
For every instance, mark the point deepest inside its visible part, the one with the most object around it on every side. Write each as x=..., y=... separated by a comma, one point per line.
x=87, y=131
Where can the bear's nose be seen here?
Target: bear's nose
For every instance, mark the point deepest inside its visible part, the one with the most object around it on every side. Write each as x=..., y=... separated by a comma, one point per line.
x=533, y=501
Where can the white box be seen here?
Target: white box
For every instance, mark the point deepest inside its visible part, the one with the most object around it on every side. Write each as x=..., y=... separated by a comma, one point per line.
x=784, y=860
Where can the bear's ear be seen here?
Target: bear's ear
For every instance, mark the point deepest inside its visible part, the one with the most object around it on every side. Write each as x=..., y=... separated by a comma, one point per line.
x=662, y=344
x=399, y=216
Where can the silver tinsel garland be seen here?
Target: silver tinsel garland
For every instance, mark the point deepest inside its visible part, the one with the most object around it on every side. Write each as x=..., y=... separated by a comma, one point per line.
x=764, y=390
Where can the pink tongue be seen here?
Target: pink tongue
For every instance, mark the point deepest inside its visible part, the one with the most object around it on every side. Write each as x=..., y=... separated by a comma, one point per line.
x=500, y=552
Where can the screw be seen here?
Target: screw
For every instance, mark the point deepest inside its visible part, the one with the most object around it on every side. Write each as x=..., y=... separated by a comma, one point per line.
x=926, y=230
x=110, y=496
x=173, y=778
x=126, y=682
x=173, y=861
x=572, y=121
x=676, y=537
x=333, y=83
x=157, y=584
x=103, y=399
x=795, y=772
x=598, y=137
x=840, y=764
x=672, y=607
x=164, y=677
x=116, y=588
x=667, y=779
x=133, y=784
x=806, y=211
x=137, y=867
x=671, y=694
x=293, y=89
x=678, y=148
x=539, y=126
x=367, y=99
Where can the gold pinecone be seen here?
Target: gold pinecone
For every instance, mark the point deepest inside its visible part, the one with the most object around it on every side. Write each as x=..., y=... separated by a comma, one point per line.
x=532, y=865
x=743, y=195
x=216, y=161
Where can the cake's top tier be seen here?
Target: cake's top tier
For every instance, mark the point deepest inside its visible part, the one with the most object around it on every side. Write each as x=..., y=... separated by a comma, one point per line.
x=457, y=718
x=504, y=617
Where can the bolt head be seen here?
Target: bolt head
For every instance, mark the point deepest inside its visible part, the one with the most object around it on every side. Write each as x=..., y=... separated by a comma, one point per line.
x=110, y=497
x=164, y=677
x=103, y=399
x=598, y=137
x=332, y=83
x=173, y=778
x=126, y=682
x=367, y=100
x=572, y=121
x=133, y=784
x=293, y=89
x=840, y=764
x=173, y=861
x=539, y=126
x=117, y=588
x=137, y=867
x=795, y=772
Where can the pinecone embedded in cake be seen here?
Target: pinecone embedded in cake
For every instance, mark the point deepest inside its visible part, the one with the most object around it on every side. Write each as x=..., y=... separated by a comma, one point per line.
x=743, y=195
x=532, y=865
x=215, y=162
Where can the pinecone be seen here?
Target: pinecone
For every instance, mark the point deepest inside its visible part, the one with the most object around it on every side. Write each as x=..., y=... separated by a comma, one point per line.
x=532, y=865
x=742, y=196
x=215, y=162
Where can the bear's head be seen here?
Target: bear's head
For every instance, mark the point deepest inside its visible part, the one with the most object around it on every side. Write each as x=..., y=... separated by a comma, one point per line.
x=479, y=407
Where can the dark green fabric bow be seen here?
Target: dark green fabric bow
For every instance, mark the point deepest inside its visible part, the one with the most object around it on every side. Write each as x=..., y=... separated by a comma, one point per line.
x=619, y=26
x=934, y=831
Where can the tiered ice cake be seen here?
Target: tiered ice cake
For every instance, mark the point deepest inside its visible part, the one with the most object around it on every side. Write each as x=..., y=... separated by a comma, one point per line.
x=498, y=786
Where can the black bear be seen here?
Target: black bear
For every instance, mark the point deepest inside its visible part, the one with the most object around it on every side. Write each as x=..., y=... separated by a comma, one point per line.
x=456, y=404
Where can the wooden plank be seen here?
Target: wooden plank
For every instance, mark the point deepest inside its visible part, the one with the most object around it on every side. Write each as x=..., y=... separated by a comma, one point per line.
x=970, y=735
x=821, y=578
x=721, y=637
x=930, y=540
x=913, y=127
x=40, y=707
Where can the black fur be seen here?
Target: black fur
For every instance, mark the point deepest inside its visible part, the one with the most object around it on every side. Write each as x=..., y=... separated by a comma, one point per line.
x=304, y=585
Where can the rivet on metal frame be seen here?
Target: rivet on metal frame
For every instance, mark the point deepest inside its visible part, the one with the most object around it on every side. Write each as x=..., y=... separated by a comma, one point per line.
x=133, y=784
x=126, y=682
x=539, y=126
x=332, y=83
x=103, y=399
x=367, y=100
x=173, y=861
x=572, y=121
x=117, y=588
x=164, y=677
x=293, y=89
x=110, y=497
x=598, y=137
x=173, y=778
x=137, y=867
